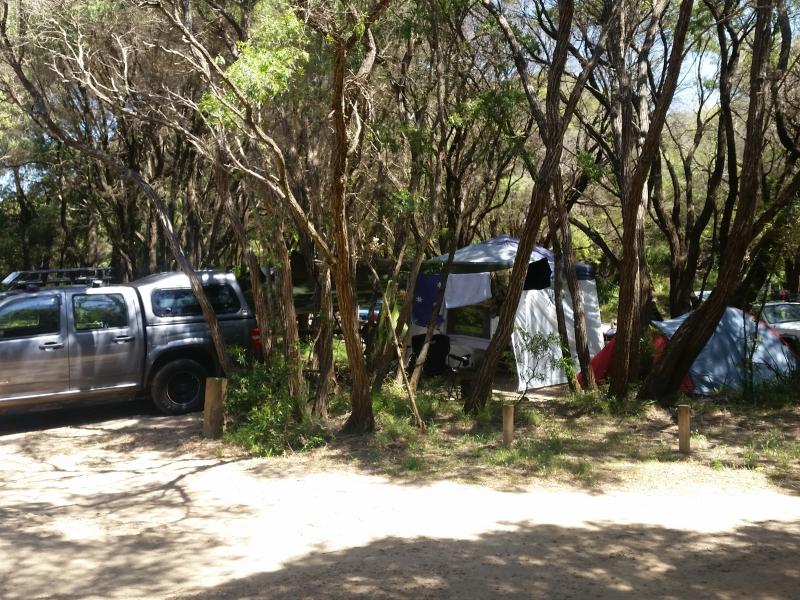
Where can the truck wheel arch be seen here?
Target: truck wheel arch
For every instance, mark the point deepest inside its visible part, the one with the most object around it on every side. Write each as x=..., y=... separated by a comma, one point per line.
x=198, y=354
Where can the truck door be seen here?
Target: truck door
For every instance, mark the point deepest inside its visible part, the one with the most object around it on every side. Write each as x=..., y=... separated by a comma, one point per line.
x=34, y=354
x=106, y=339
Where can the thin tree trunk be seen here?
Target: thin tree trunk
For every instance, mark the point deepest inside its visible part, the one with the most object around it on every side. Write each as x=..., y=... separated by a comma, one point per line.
x=553, y=126
x=25, y=219
x=361, y=419
x=578, y=310
x=632, y=180
x=692, y=335
x=419, y=366
x=558, y=295
x=482, y=385
x=253, y=268
x=291, y=338
x=324, y=344
x=39, y=113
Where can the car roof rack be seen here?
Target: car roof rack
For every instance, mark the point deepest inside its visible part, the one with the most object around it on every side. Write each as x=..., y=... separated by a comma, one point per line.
x=34, y=279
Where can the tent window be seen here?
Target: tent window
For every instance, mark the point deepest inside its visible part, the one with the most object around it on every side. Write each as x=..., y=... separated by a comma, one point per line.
x=474, y=321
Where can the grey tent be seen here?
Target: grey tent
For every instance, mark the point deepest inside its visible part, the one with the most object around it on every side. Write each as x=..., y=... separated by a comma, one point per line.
x=720, y=365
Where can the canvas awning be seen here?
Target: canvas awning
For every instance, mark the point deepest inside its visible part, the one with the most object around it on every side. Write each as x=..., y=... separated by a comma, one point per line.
x=499, y=253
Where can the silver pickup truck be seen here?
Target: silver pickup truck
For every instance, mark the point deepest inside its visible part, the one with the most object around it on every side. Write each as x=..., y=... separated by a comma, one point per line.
x=58, y=343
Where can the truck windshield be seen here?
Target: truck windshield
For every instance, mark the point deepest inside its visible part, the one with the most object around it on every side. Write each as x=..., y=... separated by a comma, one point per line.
x=781, y=313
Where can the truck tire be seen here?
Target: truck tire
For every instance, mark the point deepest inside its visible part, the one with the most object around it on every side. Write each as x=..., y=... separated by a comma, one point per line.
x=179, y=387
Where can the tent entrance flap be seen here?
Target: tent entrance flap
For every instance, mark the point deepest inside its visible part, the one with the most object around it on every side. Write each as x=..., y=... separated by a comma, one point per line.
x=538, y=276
x=536, y=316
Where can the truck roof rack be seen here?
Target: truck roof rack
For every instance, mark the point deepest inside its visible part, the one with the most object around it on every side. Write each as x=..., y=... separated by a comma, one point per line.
x=89, y=276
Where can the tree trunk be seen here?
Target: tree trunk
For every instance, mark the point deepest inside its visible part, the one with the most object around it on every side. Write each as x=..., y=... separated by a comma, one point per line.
x=694, y=333
x=324, y=344
x=40, y=115
x=553, y=127
x=253, y=268
x=291, y=337
x=558, y=294
x=416, y=374
x=792, y=271
x=361, y=419
x=632, y=179
x=25, y=219
x=482, y=385
x=578, y=310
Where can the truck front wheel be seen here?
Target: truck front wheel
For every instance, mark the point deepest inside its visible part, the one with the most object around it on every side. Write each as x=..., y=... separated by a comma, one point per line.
x=179, y=387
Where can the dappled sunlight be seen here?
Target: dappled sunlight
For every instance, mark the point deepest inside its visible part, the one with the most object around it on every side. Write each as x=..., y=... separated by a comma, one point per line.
x=545, y=561
x=144, y=508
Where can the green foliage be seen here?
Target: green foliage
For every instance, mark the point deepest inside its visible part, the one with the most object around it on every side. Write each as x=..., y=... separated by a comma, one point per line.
x=594, y=170
x=413, y=462
x=781, y=392
x=608, y=297
x=777, y=446
x=750, y=459
x=392, y=400
x=267, y=60
x=768, y=448
x=528, y=417
x=600, y=402
x=263, y=418
x=585, y=250
x=394, y=429
x=490, y=417
x=94, y=9
x=340, y=354
x=701, y=27
x=541, y=453
x=495, y=105
x=339, y=403
x=398, y=204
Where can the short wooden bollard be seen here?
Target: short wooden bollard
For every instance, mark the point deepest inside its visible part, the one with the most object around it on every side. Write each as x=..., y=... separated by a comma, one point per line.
x=508, y=425
x=684, y=429
x=213, y=417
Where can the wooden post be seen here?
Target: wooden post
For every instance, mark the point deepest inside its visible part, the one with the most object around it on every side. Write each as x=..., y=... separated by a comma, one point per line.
x=684, y=429
x=216, y=388
x=508, y=425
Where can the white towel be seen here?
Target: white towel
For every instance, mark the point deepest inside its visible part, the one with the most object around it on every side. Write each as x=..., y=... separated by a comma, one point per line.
x=466, y=289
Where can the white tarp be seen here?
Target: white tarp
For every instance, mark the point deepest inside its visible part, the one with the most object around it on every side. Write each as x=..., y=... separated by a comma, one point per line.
x=467, y=289
x=536, y=313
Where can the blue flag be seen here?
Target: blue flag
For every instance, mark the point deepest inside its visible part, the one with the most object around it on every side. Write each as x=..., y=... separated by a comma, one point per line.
x=425, y=292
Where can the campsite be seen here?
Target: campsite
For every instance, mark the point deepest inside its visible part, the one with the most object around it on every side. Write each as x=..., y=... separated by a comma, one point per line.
x=399, y=299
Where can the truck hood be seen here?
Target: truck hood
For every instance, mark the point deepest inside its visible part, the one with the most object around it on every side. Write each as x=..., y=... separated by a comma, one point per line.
x=791, y=328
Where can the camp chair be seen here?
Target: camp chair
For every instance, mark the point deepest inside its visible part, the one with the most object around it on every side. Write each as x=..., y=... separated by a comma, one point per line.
x=439, y=361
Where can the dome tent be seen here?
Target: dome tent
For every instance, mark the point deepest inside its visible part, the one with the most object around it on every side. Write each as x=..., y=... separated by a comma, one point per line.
x=720, y=365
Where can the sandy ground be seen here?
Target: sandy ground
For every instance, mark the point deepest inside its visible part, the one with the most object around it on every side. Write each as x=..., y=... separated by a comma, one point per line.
x=127, y=505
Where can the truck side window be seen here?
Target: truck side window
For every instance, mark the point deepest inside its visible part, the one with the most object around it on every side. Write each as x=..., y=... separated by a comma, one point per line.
x=28, y=317
x=182, y=303
x=99, y=311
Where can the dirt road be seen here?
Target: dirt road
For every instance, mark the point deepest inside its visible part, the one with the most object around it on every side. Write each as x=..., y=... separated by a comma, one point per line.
x=124, y=505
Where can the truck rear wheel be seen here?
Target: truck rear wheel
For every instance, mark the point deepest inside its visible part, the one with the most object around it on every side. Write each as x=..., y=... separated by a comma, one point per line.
x=179, y=387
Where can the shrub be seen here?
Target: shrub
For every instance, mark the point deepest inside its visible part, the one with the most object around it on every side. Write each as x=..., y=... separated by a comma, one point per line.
x=392, y=399
x=263, y=418
x=490, y=417
x=394, y=429
x=598, y=401
x=778, y=393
